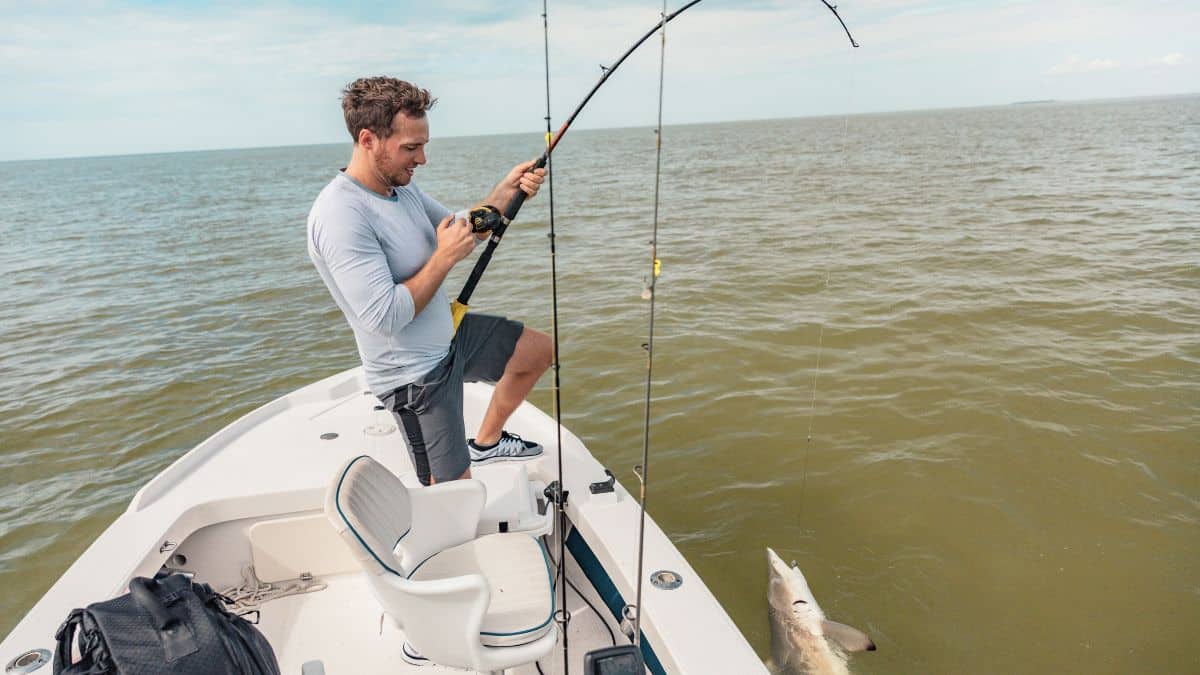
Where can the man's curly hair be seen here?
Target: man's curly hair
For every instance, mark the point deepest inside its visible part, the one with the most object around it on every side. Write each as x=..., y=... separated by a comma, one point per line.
x=372, y=103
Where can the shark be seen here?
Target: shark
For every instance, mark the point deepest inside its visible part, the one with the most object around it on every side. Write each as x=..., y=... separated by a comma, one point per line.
x=803, y=641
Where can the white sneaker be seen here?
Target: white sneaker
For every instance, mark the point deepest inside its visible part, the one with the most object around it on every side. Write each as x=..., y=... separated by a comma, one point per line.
x=509, y=447
x=412, y=656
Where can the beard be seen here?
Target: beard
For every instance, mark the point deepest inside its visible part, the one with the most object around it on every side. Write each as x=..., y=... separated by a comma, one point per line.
x=391, y=174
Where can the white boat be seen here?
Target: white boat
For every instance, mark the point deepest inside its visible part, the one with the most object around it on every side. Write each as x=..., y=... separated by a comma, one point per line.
x=252, y=500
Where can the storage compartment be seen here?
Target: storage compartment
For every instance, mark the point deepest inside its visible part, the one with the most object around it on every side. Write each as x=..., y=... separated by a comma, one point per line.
x=286, y=548
x=512, y=501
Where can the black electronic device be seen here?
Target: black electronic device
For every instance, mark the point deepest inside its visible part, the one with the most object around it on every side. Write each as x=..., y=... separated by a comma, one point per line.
x=618, y=660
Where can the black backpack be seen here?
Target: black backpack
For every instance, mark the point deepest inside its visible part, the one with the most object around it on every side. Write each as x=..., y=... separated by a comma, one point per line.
x=171, y=625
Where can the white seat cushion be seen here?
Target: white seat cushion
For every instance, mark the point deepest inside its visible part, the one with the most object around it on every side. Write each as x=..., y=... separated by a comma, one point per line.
x=521, y=609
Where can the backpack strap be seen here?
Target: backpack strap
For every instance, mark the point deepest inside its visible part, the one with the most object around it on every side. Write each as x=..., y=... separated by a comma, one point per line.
x=65, y=635
x=177, y=638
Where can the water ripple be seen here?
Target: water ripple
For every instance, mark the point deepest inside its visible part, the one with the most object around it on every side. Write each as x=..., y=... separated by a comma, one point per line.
x=950, y=367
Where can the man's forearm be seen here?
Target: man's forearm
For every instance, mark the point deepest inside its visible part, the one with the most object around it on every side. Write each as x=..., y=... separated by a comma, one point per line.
x=425, y=283
x=501, y=195
x=523, y=177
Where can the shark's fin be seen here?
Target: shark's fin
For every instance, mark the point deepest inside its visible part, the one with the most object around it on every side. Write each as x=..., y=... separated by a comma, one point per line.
x=849, y=638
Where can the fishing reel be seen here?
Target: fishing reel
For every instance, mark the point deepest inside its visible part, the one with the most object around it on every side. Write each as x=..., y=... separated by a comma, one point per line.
x=485, y=218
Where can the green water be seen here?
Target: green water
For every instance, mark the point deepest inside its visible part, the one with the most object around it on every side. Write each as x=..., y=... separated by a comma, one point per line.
x=948, y=361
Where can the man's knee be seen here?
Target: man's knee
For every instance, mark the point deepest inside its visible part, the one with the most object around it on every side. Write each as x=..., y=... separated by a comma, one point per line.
x=545, y=351
x=534, y=352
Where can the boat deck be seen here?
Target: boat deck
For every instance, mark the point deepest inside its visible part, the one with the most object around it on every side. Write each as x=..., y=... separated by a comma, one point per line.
x=273, y=466
x=342, y=627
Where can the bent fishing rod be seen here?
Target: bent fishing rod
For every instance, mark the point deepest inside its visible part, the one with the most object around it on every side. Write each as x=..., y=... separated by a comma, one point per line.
x=490, y=218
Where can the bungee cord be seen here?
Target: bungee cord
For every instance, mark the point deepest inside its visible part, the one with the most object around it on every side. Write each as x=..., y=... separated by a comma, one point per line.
x=252, y=593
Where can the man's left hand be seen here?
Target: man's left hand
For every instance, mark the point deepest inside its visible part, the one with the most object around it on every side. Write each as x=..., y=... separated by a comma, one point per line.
x=526, y=178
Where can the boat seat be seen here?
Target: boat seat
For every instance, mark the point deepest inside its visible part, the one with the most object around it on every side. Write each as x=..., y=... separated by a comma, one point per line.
x=521, y=605
x=484, y=604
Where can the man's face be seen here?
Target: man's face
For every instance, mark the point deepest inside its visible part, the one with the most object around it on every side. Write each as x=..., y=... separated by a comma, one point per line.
x=397, y=155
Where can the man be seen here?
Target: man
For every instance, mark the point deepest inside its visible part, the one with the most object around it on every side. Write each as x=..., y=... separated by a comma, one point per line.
x=372, y=237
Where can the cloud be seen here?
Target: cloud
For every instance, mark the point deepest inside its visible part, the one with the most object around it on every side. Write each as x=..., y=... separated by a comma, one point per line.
x=136, y=76
x=1075, y=64
x=1175, y=59
x=144, y=77
x=140, y=79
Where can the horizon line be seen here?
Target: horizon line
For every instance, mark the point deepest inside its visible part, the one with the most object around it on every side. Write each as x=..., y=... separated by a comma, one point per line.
x=635, y=126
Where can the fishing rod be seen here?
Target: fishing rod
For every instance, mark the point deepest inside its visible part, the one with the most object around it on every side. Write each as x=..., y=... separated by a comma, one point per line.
x=487, y=218
x=490, y=218
x=562, y=615
x=644, y=469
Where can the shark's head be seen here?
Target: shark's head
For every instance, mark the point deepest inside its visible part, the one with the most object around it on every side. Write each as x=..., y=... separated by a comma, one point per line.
x=802, y=639
x=788, y=591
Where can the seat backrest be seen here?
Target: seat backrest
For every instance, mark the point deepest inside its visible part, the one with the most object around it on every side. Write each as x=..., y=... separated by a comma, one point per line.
x=371, y=510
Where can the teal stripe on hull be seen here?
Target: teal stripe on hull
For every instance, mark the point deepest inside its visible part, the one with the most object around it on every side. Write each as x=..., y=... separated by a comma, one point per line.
x=608, y=592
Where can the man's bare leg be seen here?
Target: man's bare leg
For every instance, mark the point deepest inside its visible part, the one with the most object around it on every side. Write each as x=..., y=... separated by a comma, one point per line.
x=531, y=357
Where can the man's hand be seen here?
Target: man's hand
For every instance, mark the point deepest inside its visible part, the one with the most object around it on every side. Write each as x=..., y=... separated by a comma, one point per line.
x=526, y=177
x=455, y=240
x=523, y=177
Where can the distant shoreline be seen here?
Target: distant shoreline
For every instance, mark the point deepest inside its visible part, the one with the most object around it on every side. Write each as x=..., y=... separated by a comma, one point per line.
x=537, y=134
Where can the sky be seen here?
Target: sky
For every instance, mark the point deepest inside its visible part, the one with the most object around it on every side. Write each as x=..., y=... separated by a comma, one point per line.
x=124, y=77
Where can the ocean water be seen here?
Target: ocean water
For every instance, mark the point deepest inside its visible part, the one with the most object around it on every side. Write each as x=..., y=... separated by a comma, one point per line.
x=949, y=361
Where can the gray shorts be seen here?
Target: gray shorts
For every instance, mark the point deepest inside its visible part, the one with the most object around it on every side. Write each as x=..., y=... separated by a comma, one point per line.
x=430, y=411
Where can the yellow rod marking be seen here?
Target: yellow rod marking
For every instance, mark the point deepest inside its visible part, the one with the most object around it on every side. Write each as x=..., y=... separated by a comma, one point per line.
x=457, y=312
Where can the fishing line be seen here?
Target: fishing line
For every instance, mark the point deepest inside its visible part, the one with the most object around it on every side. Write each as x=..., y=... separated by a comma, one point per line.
x=491, y=218
x=562, y=615
x=835, y=200
x=643, y=470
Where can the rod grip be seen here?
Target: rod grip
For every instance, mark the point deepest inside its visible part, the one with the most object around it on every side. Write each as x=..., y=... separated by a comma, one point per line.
x=518, y=201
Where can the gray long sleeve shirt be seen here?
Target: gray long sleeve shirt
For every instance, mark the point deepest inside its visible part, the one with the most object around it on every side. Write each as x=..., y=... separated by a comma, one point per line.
x=365, y=246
